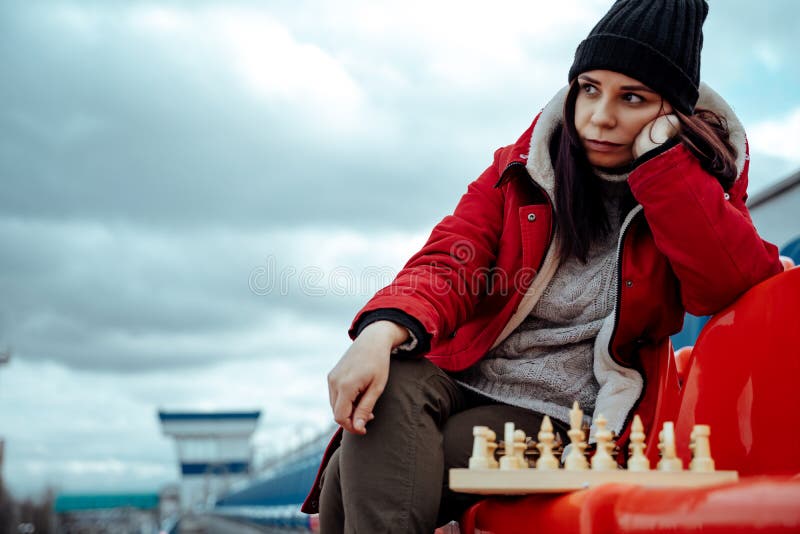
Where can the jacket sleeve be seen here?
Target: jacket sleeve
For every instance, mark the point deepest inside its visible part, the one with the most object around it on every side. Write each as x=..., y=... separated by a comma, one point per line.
x=706, y=234
x=418, y=342
x=442, y=283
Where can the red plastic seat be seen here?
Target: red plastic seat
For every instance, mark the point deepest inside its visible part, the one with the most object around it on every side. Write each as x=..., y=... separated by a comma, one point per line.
x=682, y=362
x=760, y=504
x=743, y=380
x=740, y=378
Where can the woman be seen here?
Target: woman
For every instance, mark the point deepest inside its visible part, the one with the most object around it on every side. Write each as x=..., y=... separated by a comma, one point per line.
x=564, y=267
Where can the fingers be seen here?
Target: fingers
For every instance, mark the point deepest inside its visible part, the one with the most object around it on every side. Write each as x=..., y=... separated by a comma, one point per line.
x=353, y=415
x=345, y=397
x=342, y=412
x=332, y=393
x=356, y=382
x=363, y=411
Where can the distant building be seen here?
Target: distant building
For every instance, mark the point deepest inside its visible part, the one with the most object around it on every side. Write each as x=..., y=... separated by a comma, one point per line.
x=272, y=500
x=776, y=211
x=214, y=452
x=107, y=513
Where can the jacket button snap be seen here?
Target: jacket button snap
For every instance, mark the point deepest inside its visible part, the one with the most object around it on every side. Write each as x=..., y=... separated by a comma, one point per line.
x=531, y=217
x=629, y=283
x=727, y=196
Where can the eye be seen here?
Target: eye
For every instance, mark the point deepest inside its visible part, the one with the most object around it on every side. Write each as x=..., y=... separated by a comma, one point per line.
x=632, y=98
x=588, y=88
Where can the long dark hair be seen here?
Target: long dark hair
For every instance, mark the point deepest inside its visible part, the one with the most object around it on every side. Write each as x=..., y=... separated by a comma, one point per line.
x=582, y=216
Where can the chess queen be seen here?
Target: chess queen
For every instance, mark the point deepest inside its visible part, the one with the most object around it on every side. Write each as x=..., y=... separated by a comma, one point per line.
x=558, y=277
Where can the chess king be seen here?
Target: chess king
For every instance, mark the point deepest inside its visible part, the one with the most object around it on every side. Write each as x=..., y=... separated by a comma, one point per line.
x=558, y=277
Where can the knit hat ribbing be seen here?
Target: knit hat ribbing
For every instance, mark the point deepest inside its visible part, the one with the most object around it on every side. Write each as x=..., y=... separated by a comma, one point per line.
x=657, y=42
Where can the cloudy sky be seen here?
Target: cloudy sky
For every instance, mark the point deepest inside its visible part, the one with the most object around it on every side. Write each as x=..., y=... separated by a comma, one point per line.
x=198, y=196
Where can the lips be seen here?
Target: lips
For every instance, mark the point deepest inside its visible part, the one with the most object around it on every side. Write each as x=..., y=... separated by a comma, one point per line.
x=602, y=146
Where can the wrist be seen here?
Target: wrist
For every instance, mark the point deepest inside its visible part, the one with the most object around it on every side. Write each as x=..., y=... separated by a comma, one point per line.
x=390, y=332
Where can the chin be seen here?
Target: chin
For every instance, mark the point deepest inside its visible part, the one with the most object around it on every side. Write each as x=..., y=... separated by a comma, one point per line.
x=609, y=162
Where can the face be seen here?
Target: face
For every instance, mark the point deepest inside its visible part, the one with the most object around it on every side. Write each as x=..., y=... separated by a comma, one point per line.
x=610, y=111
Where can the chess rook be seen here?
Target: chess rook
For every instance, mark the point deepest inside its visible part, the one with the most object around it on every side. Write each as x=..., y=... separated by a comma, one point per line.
x=483, y=448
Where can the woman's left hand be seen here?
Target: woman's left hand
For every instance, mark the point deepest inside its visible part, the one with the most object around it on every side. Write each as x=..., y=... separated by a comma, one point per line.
x=655, y=133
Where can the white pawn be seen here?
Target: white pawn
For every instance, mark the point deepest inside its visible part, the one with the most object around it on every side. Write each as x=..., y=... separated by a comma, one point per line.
x=482, y=449
x=492, y=447
x=520, y=446
x=547, y=461
x=602, y=460
x=666, y=444
x=701, y=450
x=637, y=460
x=576, y=461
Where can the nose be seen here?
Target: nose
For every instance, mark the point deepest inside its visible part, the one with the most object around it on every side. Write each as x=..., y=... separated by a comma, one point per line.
x=603, y=114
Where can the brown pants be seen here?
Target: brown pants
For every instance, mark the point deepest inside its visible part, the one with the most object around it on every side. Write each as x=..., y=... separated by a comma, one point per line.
x=394, y=478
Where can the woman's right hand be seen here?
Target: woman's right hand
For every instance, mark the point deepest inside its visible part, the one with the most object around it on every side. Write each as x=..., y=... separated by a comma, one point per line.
x=358, y=380
x=656, y=133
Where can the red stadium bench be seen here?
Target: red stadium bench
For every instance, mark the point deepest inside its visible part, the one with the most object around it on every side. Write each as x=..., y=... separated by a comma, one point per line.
x=741, y=378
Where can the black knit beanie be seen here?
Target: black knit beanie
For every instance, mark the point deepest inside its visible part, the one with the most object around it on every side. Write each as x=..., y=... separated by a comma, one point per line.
x=657, y=42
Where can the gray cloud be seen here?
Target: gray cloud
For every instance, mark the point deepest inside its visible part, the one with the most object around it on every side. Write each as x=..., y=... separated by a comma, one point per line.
x=114, y=297
x=113, y=129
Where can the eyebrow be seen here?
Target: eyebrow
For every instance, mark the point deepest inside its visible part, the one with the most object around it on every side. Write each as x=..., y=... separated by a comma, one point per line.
x=623, y=88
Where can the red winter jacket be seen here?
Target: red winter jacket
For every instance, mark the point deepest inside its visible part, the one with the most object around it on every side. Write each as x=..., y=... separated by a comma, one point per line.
x=690, y=247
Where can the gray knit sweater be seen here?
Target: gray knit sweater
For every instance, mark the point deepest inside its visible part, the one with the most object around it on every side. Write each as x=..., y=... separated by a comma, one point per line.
x=546, y=363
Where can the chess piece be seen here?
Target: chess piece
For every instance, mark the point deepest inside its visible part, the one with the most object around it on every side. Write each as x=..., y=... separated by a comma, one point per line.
x=483, y=448
x=576, y=461
x=547, y=461
x=558, y=447
x=602, y=460
x=701, y=450
x=520, y=445
x=492, y=447
x=666, y=444
x=637, y=460
x=507, y=460
x=514, y=457
x=531, y=452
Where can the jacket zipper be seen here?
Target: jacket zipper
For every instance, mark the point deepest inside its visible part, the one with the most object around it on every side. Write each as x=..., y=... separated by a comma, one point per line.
x=623, y=233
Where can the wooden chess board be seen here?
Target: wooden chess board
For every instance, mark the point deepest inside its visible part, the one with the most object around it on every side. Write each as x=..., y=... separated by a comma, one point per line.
x=526, y=481
x=515, y=474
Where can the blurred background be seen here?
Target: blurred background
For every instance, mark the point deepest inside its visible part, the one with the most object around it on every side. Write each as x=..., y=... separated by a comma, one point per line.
x=198, y=196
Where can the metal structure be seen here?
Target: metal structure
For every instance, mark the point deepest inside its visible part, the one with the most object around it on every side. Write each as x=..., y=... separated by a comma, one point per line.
x=214, y=452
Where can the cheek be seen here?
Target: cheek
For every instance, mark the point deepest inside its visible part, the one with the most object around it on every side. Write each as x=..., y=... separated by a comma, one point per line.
x=580, y=116
x=634, y=124
x=640, y=120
